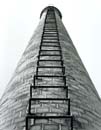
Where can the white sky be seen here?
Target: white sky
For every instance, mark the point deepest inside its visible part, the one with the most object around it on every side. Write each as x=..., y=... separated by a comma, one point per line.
x=19, y=18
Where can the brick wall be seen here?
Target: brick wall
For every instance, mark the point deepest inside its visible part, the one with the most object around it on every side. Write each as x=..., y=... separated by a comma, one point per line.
x=85, y=102
x=13, y=104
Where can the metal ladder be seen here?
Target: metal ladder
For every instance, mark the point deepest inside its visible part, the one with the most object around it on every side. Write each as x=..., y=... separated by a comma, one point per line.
x=49, y=58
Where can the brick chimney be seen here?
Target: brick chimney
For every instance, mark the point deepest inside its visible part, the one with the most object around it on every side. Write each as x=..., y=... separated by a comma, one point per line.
x=50, y=89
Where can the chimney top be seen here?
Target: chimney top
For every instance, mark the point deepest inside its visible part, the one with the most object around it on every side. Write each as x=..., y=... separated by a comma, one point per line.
x=51, y=7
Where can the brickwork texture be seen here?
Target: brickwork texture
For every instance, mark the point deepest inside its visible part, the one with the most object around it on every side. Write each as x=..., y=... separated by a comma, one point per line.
x=85, y=101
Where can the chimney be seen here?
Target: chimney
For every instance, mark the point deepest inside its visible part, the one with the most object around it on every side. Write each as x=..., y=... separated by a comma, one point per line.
x=50, y=89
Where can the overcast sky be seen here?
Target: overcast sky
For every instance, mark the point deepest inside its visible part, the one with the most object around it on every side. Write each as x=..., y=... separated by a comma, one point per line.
x=19, y=18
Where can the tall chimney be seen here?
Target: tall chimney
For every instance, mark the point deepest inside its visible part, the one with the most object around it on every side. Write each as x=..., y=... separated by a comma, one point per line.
x=50, y=89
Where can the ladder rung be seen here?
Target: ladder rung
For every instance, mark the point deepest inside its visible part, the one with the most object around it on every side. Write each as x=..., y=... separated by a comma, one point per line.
x=45, y=30
x=51, y=29
x=49, y=55
x=51, y=22
x=50, y=33
x=50, y=42
x=50, y=10
x=55, y=41
x=51, y=60
x=49, y=86
x=52, y=36
x=51, y=76
x=54, y=99
x=51, y=67
x=50, y=26
x=50, y=50
x=51, y=45
x=46, y=117
x=52, y=18
x=50, y=14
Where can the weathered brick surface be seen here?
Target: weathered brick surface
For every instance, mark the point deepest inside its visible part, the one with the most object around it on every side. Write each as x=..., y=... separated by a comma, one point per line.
x=85, y=102
x=13, y=104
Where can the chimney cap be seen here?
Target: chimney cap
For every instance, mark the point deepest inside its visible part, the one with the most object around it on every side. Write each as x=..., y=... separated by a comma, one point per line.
x=49, y=7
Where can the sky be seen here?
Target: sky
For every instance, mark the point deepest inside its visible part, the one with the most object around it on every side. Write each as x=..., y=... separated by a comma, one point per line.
x=19, y=18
